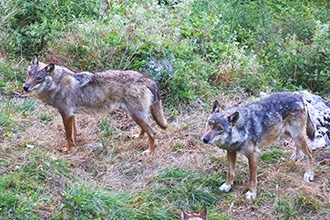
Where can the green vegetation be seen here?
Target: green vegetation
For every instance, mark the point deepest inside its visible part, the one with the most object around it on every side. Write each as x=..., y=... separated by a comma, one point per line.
x=266, y=45
x=272, y=155
x=299, y=205
x=194, y=49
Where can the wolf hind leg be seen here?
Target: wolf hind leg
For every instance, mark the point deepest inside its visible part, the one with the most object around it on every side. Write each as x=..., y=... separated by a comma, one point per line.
x=302, y=146
x=140, y=135
x=298, y=155
x=141, y=120
x=75, y=130
x=299, y=134
x=309, y=174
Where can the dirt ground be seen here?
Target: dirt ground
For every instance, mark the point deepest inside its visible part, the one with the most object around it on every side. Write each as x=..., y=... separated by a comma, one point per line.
x=107, y=155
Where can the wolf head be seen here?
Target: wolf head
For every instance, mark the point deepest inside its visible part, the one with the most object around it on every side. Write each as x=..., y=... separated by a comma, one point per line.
x=38, y=75
x=202, y=215
x=220, y=124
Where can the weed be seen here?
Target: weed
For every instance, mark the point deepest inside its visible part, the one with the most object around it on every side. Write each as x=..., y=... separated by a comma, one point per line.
x=307, y=204
x=286, y=208
x=273, y=156
x=106, y=129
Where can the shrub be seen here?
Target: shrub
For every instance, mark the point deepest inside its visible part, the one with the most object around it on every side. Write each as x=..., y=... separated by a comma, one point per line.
x=193, y=49
x=30, y=25
x=306, y=65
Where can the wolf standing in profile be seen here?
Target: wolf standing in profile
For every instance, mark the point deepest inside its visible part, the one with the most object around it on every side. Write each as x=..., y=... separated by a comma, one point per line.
x=245, y=129
x=72, y=92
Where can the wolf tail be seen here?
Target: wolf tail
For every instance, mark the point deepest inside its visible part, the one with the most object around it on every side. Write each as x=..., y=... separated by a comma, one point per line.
x=156, y=108
x=157, y=113
x=310, y=127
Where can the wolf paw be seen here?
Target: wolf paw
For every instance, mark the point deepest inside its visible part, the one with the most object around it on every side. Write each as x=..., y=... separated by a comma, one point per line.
x=225, y=187
x=147, y=152
x=250, y=195
x=65, y=150
x=297, y=156
x=308, y=177
x=137, y=136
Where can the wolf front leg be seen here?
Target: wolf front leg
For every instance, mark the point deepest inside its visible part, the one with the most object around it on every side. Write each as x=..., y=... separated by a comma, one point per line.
x=228, y=185
x=70, y=130
x=253, y=166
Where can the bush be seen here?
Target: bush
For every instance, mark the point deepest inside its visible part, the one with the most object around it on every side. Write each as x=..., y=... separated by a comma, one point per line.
x=194, y=49
x=10, y=78
x=31, y=25
x=306, y=65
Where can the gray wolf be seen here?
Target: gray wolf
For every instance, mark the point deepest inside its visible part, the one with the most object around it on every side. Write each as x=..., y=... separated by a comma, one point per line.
x=85, y=92
x=201, y=215
x=248, y=128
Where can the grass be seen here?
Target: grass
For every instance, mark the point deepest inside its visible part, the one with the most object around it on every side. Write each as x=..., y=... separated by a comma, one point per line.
x=115, y=181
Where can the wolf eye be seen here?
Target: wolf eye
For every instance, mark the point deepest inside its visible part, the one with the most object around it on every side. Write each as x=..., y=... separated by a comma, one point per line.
x=220, y=129
x=39, y=78
x=211, y=123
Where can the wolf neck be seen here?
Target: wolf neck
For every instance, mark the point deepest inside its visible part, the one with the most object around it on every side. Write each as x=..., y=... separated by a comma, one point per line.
x=232, y=146
x=60, y=83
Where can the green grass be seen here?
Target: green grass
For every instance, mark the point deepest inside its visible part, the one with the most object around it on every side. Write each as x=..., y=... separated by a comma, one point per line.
x=29, y=189
x=106, y=129
x=298, y=205
x=272, y=156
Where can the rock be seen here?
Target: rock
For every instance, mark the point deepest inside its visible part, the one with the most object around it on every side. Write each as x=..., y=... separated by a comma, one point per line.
x=320, y=114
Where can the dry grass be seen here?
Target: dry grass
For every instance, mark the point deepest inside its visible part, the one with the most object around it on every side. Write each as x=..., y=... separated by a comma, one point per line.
x=120, y=167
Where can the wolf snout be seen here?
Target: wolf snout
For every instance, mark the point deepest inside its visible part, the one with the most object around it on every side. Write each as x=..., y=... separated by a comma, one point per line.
x=206, y=139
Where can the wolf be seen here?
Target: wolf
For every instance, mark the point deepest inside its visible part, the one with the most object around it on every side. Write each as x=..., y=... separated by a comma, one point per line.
x=248, y=128
x=201, y=215
x=86, y=92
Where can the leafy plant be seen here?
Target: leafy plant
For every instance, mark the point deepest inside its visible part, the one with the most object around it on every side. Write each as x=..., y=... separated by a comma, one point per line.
x=30, y=25
x=272, y=156
x=286, y=208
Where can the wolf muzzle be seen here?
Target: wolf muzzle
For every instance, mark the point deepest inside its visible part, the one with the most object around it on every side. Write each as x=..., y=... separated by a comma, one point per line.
x=206, y=139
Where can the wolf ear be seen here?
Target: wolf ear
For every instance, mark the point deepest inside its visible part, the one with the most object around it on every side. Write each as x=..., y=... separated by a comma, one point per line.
x=183, y=214
x=50, y=68
x=233, y=118
x=216, y=107
x=203, y=212
x=35, y=60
